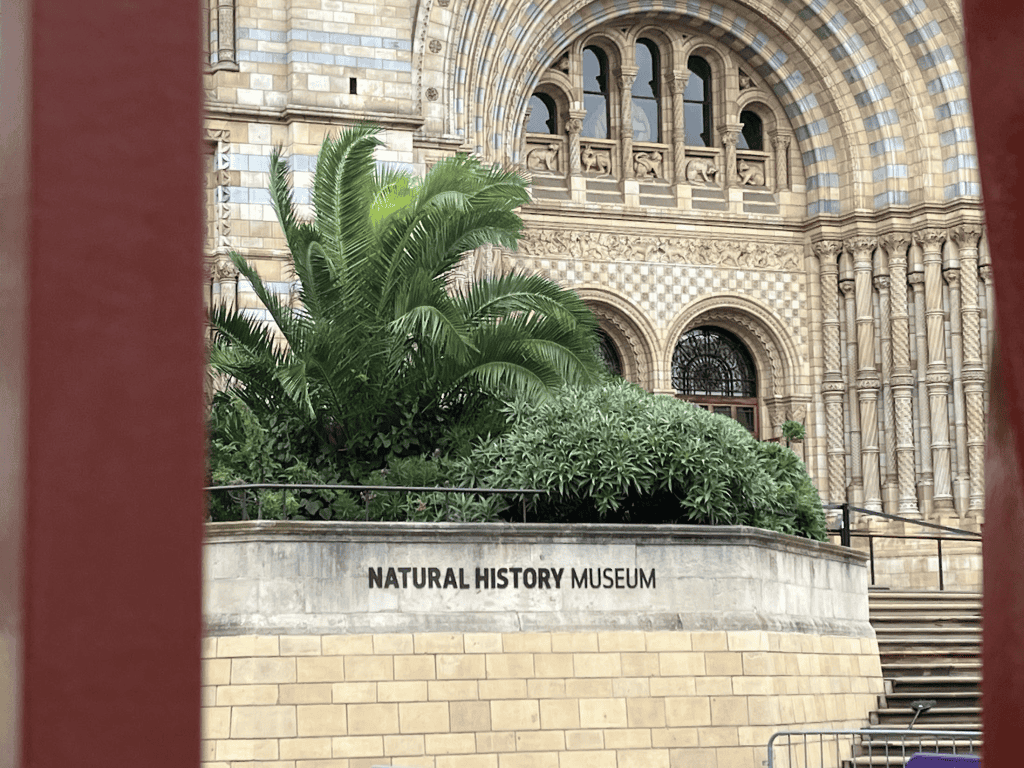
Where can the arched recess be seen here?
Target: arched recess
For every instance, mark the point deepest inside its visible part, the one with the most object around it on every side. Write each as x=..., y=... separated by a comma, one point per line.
x=631, y=333
x=769, y=343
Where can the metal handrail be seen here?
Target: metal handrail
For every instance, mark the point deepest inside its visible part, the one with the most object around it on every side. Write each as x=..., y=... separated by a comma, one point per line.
x=847, y=534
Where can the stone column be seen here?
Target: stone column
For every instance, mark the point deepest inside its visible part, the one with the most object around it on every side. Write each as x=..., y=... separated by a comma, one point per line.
x=868, y=383
x=573, y=127
x=678, y=86
x=924, y=482
x=985, y=273
x=961, y=478
x=937, y=374
x=225, y=274
x=225, y=25
x=832, y=387
x=881, y=283
x=847, y=287
x=626, y=78
x=730, y=135
x=968, y=237
x=780, y=145
x=902, y=378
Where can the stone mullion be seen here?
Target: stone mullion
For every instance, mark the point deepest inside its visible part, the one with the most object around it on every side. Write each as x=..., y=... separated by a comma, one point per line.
x=973, y=371
x=730, y=135
x=925, y=481
x=885, y=403
x=961, y=479
x=902, y=377
x=937, y=375
x=679, y=127
x=780, y=143
x=985, y=273
x=573, y=126
x=832, y=384
x=868, y=383
x=626, y=78
x=847, y=287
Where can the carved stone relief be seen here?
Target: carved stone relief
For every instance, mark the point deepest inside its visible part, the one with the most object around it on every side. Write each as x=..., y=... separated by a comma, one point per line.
x=648, y=165
x=700, y=171
x=543, y=158
x=602, y=246
x=751, y=174
x=221, y=139
x=596, y=161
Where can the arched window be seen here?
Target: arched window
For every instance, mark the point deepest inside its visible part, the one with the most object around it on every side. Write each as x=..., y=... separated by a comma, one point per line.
x=646, y=93
x=609, y=353
x=543, y=114
x=595, y=93
x=712, y=368
x=697, y=103
x=752, y=136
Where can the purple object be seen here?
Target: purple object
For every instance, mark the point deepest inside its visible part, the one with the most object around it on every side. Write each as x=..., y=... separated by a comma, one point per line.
x=922, y=760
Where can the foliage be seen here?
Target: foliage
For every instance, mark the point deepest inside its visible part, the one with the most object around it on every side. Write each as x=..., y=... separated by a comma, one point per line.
x=383, y=360
x=792, y=431
x=614, y=453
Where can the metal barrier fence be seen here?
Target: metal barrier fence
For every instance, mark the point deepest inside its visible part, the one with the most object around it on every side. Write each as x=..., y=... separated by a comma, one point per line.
x=872, y=747
x=846, y=534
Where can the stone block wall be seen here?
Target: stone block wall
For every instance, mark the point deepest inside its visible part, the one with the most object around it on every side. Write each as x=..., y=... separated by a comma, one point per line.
x=526, y=700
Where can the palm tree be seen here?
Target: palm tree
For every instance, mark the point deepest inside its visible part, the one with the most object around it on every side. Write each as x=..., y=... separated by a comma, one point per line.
x=384, y=358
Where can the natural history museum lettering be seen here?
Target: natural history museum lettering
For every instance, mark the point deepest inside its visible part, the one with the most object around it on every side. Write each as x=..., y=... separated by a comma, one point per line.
x=423, y=577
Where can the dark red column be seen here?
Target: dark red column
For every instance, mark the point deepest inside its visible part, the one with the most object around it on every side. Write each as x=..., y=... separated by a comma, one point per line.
x=993, y=30
x=101, y=358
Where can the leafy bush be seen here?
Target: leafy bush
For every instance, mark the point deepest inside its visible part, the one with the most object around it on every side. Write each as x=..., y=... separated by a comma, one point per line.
x=614, y=453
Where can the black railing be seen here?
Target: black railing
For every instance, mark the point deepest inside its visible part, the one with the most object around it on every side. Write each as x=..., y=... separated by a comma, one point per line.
x=846, y=534
x=365, y=492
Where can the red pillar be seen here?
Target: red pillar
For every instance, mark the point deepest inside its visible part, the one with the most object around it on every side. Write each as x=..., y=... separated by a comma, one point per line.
x=993, y=29
x=101, y=433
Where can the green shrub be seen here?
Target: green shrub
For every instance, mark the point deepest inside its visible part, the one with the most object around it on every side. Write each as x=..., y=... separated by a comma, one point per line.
x=614, y=453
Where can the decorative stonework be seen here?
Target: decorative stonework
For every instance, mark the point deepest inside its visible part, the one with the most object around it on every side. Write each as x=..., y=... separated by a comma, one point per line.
x=596, y=161
x=602, y=246
x=434, y=46
x=221, y=139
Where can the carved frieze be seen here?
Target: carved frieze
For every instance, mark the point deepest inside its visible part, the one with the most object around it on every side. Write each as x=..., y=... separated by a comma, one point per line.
x=603, y=246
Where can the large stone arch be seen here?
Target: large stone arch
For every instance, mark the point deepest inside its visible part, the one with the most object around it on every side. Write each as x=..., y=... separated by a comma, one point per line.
x=633, y=334
x=769, y=342
x=843, y=91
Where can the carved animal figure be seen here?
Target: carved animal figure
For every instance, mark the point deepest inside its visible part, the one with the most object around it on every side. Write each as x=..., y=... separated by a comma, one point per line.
x=543, y=158
x=647, y=165
x=594, y=161
x=701, y=170
x=750, y=175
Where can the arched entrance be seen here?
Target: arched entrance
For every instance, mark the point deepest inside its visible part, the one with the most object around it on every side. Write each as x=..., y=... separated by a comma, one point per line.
x=713, y=369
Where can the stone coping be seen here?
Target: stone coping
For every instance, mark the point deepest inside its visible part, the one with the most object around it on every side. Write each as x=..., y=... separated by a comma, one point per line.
x=525, y=533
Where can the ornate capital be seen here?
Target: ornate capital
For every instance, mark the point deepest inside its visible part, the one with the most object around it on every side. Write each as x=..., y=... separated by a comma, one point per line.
x=224, y=269
x=916, y=278
x=930, y=240
x=952, y=277
x=847, y=286
x=626, y=78
x=861, y=249
x=730, y=138
x=895, y=245
x=827, y=251
x=678, y=83
x=967, y=235
x=881, y=282
x=573, y=126
x=986, y=272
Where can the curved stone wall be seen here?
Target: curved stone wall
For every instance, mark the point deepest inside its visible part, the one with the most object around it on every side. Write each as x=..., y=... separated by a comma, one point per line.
x=461, y=646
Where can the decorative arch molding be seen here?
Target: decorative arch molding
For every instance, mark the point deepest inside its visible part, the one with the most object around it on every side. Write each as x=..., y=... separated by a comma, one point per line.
x=832, y=81
x=632, y=333
x=758, y=328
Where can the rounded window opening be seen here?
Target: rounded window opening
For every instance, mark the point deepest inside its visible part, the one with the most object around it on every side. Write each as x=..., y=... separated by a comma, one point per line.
x=712, y=369
x=595, y=93
x=609, y=353
x=543, y=114
x=752, y=136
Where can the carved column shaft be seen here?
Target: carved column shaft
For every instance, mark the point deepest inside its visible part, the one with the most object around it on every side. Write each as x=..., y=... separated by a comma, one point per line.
x=225, y=19
x=626, y=78
x=848, y=287
x=960, y=487
x=780, y=143
x=832, y=385
x=573, y=126
x=968, y=237
x=868, y=382
x=902, y=377
x=679, y=127
x=916, y=279
x=730, y=138
x=937, y=370
x=881, y=283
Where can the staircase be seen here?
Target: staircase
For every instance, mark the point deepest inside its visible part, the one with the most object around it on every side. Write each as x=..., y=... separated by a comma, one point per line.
x=930, y=649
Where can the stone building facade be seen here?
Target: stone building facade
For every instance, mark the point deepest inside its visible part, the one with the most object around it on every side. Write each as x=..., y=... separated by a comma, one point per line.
x=772, y=206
